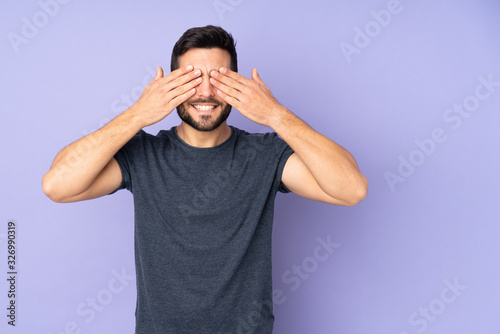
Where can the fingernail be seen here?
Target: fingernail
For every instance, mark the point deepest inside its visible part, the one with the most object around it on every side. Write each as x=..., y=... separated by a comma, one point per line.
x=189, y=67
x=198, y=80
x=213, y=74
x=212, y=80
x=223, y=70
x=197, y=72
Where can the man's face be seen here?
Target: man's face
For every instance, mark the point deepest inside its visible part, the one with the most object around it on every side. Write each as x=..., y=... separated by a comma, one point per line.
x=205, y=111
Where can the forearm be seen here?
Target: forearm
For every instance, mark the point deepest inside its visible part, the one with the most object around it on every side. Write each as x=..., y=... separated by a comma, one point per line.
x=333, y=167
x=77, y=165
x=323, y=163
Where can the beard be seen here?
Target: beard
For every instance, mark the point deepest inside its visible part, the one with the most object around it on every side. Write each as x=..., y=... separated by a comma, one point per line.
x=207, y=122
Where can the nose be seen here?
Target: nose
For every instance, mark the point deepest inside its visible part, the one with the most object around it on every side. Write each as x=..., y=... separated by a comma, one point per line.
x=205, y=88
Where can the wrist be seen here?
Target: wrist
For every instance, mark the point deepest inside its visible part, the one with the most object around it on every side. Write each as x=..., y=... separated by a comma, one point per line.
x=281, y=117
x=132, y=119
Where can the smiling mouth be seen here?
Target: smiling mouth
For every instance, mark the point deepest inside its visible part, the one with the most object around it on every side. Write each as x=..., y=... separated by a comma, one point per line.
x=201, y=107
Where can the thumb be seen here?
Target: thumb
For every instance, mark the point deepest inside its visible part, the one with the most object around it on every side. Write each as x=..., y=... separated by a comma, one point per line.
x=256, y=77
x=159, y=73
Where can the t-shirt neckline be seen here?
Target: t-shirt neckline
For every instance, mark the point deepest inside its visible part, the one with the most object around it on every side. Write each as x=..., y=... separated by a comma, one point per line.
x=224, y=143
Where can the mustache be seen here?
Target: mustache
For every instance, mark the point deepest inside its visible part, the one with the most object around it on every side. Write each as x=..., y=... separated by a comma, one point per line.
x=205, y=100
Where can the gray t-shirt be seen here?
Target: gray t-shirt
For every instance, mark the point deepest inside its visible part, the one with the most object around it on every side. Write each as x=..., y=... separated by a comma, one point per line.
x=203, y=224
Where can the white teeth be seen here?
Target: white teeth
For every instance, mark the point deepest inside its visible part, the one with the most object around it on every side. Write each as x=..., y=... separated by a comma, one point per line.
x=204, y=108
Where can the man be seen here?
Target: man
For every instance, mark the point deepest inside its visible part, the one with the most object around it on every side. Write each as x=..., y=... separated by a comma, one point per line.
x=204, y=191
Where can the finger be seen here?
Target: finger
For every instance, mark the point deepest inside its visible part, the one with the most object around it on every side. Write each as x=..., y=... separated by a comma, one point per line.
x=181, y=98
x=232, y=79
x=229, y=99
x=256, y=77
x=159, y=73
x=175, y=74
x=178, y=78
x=233, y=75
x=226, y=89
x=183, y=89
x=182, y=80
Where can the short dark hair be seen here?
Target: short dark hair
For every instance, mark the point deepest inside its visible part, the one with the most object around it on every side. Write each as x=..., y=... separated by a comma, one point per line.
x=207, y=37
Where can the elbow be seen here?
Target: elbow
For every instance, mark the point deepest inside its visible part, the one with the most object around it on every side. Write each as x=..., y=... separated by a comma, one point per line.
x=50, y=190
x=358, y=193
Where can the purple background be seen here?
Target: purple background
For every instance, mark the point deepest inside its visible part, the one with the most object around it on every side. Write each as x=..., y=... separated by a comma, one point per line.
x=399, y=250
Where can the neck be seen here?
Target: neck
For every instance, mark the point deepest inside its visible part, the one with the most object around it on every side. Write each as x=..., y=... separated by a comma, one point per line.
x=196, y=138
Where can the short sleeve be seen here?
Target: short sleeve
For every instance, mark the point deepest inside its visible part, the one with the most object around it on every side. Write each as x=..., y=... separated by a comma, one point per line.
x=125, y=157
x=284, y=151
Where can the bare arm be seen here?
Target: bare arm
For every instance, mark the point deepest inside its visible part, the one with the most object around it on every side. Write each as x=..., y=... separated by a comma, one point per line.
x=319, y=169
x=86, y=169
x=77, y=167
